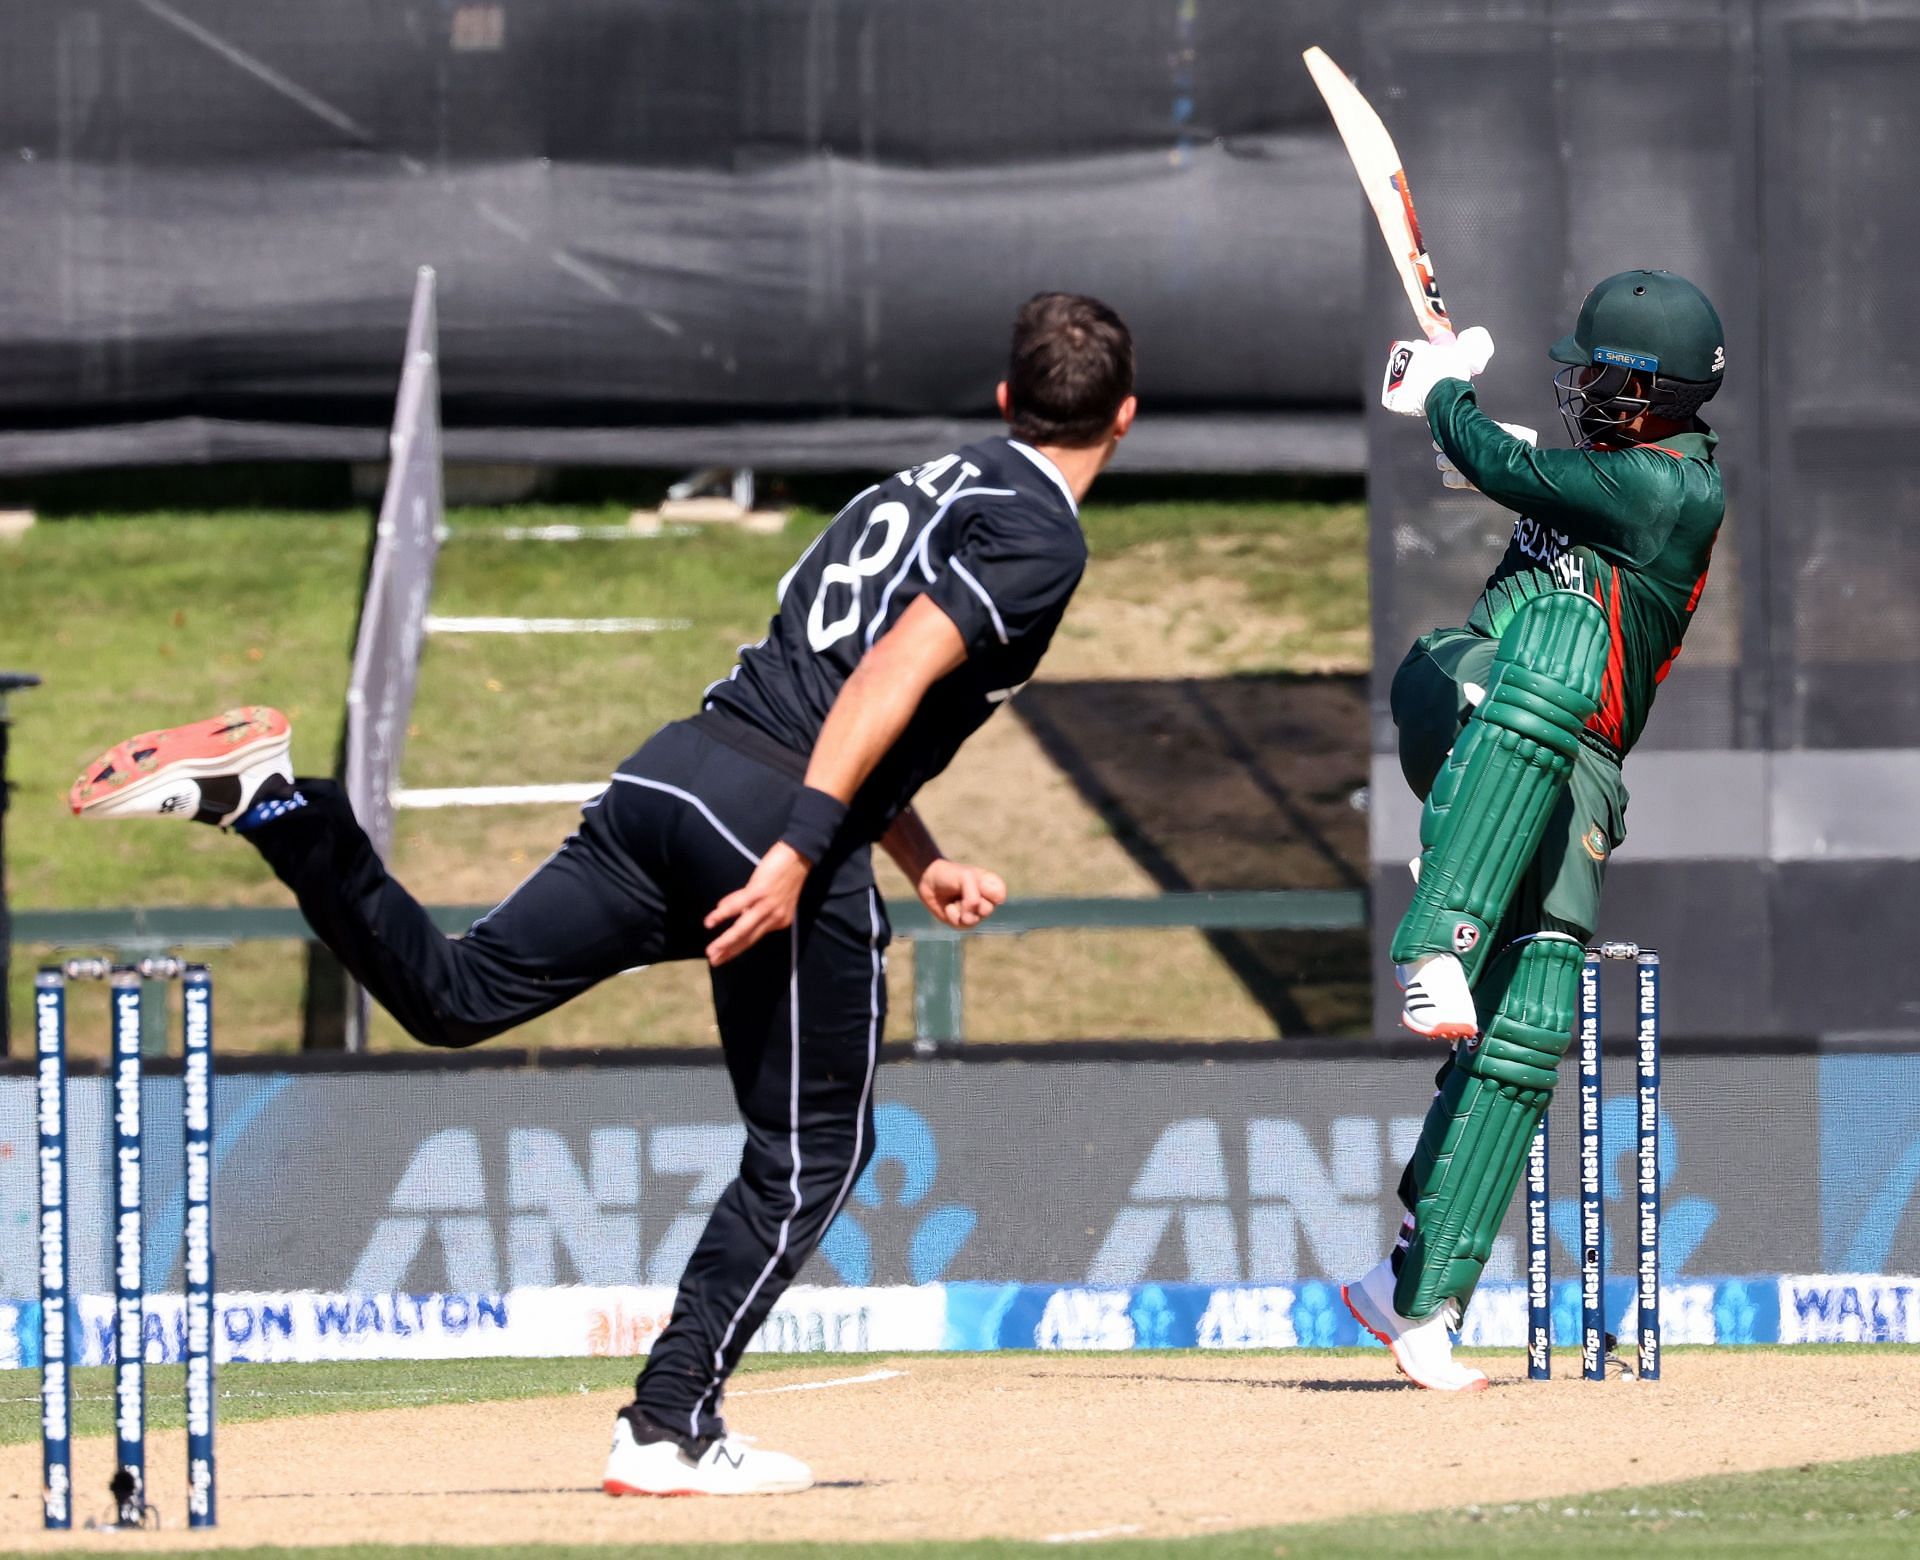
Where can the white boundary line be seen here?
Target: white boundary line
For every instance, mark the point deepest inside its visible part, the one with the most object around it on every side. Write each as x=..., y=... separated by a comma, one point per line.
x=798, y=1386
x=428, y=797
x=437, y=624
x=1092, y=1535
x=572, y=533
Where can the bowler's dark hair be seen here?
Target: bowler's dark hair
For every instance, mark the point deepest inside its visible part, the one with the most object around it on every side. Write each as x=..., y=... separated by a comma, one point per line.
x=1072, y=368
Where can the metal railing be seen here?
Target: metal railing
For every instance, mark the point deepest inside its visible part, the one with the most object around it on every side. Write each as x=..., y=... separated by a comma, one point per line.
x=939, y=966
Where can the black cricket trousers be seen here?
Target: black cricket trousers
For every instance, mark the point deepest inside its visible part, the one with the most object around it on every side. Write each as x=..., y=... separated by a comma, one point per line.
x=800, y=1014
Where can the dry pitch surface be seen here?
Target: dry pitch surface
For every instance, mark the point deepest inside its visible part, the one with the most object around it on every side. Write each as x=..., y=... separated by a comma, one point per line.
x=1034, y=1447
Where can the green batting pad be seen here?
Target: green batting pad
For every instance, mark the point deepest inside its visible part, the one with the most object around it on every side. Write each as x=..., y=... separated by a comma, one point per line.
x=1474, y=1142
x=1484, y=818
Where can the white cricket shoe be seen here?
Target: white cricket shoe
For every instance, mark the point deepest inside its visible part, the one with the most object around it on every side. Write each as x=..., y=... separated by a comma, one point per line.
x=1422, y=1350
x=730, y=1466
x=208, y=771
x=1439, y=1003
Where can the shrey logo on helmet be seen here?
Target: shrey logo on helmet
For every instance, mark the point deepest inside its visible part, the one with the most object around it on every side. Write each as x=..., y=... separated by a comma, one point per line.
x=1645, y=341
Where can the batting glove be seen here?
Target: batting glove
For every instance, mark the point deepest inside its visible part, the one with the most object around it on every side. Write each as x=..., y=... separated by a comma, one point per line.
x=1415, y=367
x=1452, y=476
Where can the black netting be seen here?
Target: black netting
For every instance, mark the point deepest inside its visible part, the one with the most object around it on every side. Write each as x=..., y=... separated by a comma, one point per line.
x=671, y=213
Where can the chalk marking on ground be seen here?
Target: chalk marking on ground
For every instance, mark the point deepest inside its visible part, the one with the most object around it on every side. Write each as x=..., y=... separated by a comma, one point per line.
x=811, y=1386
x=574, y=533
x=1092, y=1535
x=496, y=795
x=537, y=1489
x=440, y=624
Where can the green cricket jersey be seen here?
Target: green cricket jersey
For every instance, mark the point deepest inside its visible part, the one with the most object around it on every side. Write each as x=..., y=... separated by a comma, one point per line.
x=1633, y=528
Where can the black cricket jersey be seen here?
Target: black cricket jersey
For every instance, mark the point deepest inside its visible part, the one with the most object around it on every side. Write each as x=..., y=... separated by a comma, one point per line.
x=992, y=534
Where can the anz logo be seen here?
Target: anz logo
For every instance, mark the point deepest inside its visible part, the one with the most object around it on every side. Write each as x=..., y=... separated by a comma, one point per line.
x=1304, y=1211
x=631, y=1208
x=454, y=1221
x=1283, y=1203
x=906, y=1162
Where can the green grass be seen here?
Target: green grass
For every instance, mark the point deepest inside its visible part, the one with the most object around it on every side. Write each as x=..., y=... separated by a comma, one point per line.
x=1320, y=571
x=576, y=705
x=146, y=619
x=1869, y=1507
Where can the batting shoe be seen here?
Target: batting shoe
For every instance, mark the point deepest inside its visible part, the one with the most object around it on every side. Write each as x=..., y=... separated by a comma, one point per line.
x=647, y=1460
x=1439, y=1003
x=1422, y=1350
x=209, y=771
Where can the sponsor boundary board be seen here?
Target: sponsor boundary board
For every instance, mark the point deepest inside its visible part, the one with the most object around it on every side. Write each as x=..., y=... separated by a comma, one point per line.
x=583, y=1321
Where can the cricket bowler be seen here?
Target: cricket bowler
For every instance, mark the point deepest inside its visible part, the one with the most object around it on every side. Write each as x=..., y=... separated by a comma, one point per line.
x=1512, y=731
x=742, y=836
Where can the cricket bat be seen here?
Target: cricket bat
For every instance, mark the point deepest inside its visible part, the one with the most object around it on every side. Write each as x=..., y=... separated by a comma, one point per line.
x=1385, y=182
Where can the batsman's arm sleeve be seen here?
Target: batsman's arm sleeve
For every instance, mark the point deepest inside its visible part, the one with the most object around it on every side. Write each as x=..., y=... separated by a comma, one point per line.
x=1623, y=504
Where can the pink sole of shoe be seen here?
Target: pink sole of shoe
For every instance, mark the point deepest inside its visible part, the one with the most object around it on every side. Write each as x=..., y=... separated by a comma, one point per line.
x=1381, y=1338
x=228, y=741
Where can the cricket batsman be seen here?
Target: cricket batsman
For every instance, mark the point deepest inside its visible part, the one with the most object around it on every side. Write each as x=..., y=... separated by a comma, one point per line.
x=742, y=836
x=1512, y=731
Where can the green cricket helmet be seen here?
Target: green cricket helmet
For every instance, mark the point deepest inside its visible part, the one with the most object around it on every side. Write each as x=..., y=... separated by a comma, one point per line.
x=1651, y=332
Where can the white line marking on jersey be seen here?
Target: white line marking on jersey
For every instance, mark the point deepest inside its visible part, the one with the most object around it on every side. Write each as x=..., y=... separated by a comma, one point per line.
x=698, y=806
x=1050, y=471
x=921, y=549
x=966, y=577
x=793, y=1158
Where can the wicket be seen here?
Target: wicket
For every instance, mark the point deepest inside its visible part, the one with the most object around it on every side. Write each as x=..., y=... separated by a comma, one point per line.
x=1594, y=1338
x=57, y=1311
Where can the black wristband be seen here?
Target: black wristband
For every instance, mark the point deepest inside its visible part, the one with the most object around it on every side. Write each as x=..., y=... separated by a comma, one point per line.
x=815, y=819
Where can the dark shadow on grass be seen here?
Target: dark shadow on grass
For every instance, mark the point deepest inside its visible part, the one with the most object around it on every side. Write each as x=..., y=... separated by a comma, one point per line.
x=1243, y=782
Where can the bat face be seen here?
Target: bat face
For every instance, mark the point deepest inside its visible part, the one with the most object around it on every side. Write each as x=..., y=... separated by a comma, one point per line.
x=1417, y=256
x=1377, y=162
